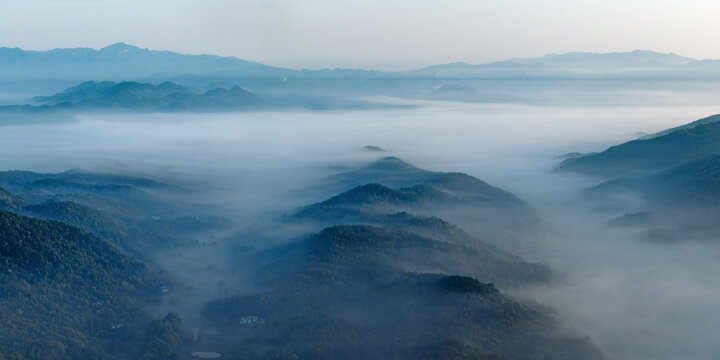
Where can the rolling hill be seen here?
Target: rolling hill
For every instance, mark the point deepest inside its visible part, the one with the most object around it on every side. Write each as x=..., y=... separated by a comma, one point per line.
x=391, y=185
x=68, y=294
x=645, y=156
x=346, y=293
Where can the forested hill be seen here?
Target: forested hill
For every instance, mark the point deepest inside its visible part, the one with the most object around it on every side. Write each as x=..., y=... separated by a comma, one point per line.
x=345, y=293
x=66, y=294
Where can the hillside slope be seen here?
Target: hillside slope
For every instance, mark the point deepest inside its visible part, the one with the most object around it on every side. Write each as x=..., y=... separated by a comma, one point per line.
x=68, y=294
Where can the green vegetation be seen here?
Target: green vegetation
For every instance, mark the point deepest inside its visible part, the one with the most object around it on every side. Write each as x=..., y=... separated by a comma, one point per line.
x=120, y=209
x=346, y=293
x=378, y=282
x=164, y=339
x=139, y=237
x=67, y=294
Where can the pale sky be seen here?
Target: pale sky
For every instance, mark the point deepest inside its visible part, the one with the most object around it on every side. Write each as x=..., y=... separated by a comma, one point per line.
x=381, y=34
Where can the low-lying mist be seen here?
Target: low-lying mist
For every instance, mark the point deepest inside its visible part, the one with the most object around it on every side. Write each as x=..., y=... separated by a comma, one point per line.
x=635, y=299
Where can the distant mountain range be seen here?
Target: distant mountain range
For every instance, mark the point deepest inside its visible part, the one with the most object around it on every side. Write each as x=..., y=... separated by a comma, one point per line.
x=143, y=96
x=121, y=61
x=50, y=72
x=638, y=63
x=116, y=62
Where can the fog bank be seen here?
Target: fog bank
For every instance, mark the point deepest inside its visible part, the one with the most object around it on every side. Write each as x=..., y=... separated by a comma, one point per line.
x=637, y=300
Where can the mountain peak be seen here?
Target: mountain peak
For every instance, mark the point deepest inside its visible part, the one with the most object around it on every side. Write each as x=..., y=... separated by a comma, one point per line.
x=119, y=48
x=391, y=163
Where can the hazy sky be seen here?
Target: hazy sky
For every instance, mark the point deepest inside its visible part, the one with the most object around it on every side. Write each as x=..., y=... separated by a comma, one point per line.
x=386, y=34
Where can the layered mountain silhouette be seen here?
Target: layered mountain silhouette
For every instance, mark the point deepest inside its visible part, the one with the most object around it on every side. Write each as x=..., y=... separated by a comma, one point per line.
x=390, y=185
x=355, y=291
x=148, y=97
x=669, y=148
x=121, y=61
x=666, y=182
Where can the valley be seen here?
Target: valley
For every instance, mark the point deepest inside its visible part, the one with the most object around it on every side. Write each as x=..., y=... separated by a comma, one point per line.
x=286, y=259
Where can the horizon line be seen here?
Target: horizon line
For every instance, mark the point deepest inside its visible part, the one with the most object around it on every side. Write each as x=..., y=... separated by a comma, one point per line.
x=511, y=59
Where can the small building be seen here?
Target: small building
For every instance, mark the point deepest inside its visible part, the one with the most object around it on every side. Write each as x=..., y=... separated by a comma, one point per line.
x=118, y=325
x=251, y=320
x=164, y=289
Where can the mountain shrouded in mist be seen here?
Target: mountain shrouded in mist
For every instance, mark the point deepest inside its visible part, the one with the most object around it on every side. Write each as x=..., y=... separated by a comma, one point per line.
x=142, y=96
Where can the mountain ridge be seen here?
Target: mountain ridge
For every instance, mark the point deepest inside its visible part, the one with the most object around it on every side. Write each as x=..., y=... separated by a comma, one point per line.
x=131, y=95
x=177, y=63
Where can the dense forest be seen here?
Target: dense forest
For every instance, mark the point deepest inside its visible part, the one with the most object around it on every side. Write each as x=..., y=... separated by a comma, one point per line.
x=374, y=271
x=68, y=294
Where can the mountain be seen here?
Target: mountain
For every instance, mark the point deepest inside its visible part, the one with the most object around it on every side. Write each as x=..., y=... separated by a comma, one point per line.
x=378, y=281
x=346, y=293
x=643, y=156
x=696, y=183
x=368, y=200
x=122, y=195
x=459, y=251
x=138, y=215
x=707, y=120
x=638, y=63
x=391, y=185
x=120, y=62
x=393, y=172
x=147, y=97
x=68, y=294
x=373, y=148
x=466, y=93
x=509, y=81
x=617, y=60
x=679, y=204
x=123, y=62
x=9, y=202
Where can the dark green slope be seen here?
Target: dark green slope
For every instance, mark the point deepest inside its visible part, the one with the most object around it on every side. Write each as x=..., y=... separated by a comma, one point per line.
x=410, y=244
x=347, y=293
x=377, y=198
x=139, y=215
x=462, y=253
x=135, y=237
x=126, y=196
x=373, y=199
x=15, y=177
x=483, y=210
x=645, y=156
x=9, y=202
x=67, y=294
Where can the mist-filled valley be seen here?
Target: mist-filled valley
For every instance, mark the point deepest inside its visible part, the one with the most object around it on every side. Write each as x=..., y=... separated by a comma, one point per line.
x=427, y=230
